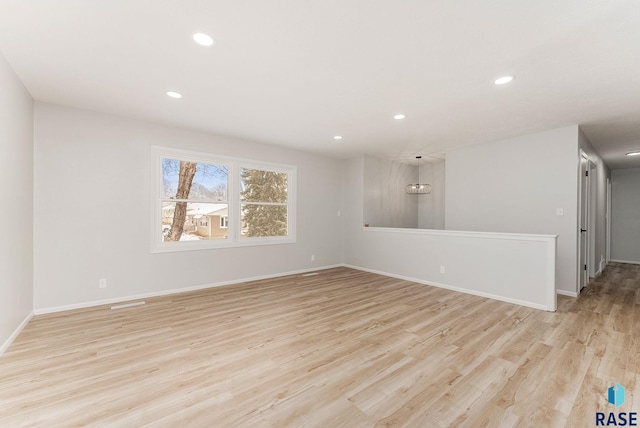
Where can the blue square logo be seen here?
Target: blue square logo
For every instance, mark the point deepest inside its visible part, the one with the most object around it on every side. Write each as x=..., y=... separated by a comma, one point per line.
x=615, y=395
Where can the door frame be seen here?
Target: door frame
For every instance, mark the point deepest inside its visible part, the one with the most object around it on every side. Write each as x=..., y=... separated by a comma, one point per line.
x=593, y=262
x=608, y=228
x=584, y=195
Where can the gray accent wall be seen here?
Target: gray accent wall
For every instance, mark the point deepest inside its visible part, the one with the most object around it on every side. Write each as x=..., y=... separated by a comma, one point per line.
x=386, y=203
x=625, y=215
x=431, y=206
x=16, y=215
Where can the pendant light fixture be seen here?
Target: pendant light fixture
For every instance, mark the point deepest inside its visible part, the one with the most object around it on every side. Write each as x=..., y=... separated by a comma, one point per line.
x=418, y=188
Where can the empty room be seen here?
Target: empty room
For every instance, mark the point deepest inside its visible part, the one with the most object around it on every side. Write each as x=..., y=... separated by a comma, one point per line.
x=324, y=214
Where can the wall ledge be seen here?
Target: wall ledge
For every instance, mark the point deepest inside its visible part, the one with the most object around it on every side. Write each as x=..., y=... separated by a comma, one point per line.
x=463, y=233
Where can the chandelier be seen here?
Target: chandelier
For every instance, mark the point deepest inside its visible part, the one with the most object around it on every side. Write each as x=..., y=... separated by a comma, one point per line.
x=418, y=188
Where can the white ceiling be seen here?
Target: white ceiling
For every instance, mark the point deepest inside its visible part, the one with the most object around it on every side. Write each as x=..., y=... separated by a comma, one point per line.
x=297, y=72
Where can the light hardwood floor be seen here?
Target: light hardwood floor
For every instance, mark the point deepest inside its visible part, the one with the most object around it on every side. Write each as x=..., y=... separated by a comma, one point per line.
x=343, y=348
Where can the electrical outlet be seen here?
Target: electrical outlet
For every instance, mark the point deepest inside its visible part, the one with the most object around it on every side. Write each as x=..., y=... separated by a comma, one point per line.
x=442, y=269
x=102, y=283
x=313, y=257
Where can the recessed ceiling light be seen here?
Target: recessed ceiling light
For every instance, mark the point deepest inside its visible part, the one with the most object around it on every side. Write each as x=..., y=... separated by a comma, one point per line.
x=399, y=116
x=174, y=94
x=203, y=39
x=504, y=79
x=636, y=153
x=337, y=137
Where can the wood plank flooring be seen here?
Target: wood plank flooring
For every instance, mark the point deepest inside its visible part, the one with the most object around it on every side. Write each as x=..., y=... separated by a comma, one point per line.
x=343, y=348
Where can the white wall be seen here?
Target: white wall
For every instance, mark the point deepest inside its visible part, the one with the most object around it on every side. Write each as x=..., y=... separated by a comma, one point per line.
x=598, y=221
x=515, y=186
x=92, y=211
x=515, y=268
x=431, y=207
x=625, y=215
x=16, y=215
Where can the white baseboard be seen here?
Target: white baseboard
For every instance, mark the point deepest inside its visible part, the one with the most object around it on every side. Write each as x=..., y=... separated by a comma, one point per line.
x=567, y=293
x=15, y=334
x=83, y=305
x=453, y=288
x=626, y=261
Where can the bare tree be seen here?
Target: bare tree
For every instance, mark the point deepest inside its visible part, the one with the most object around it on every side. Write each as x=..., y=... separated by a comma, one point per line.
x=185, y=179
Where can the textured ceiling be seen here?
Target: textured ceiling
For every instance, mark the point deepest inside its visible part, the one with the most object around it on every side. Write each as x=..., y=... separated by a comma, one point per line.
x=297, y=72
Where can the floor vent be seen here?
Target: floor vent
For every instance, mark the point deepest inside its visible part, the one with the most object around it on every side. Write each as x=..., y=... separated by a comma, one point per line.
x=127, y=305
x=311, y=274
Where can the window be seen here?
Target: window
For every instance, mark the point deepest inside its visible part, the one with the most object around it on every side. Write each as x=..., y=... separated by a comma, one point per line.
x=254, y=201
x=263, y=203
x=190, y=190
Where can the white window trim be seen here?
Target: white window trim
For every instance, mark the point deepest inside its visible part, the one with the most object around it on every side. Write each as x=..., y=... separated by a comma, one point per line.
x=224, y=219
x=234, y=166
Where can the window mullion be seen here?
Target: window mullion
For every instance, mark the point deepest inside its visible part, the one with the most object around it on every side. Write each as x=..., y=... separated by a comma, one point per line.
x=234, y=202
x=276, y=204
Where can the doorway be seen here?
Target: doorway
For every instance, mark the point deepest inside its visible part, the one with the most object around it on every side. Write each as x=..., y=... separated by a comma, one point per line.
x=583, y=231
x=608, y=225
